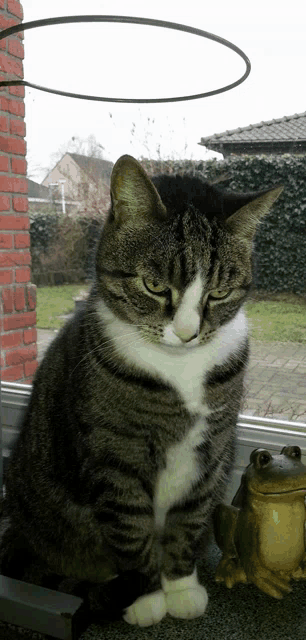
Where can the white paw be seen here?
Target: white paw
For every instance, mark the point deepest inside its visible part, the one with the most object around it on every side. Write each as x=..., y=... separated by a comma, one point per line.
x=147, y=610
x=189, y=603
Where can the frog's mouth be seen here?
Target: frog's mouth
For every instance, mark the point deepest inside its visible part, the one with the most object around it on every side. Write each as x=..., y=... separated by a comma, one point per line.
x=283, y=493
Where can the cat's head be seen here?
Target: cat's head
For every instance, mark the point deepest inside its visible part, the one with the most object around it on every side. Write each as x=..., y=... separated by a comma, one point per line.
x=174, y=257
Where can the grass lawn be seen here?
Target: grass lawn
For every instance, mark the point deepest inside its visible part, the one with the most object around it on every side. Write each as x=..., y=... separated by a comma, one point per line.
x=277, y=318
x=54, y=302
x=272, y=317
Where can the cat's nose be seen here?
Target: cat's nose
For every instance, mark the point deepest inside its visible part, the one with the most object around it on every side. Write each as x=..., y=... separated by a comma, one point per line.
x=187, y=326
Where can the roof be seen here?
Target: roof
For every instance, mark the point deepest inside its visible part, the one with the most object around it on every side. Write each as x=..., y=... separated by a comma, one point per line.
x=96, y=167
x=36, y=190
x=282, y=134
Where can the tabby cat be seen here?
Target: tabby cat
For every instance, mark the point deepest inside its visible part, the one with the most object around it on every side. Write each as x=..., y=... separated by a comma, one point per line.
x=129, y=438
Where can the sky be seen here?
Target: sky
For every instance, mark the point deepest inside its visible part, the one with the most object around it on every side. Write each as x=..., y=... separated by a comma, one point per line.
x=122, y=60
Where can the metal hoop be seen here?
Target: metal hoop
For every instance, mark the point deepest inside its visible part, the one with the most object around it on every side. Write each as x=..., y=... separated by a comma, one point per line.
x=131, y=20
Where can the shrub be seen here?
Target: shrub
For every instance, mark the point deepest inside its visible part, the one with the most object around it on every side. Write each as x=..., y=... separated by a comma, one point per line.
x=62, y=248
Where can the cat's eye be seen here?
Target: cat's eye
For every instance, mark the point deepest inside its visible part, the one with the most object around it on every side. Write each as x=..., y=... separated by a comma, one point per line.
x=155, y=287
x=218, y=294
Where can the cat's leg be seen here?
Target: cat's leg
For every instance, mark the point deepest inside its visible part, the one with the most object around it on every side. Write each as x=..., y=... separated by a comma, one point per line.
x=149, y=608
x=185, y=596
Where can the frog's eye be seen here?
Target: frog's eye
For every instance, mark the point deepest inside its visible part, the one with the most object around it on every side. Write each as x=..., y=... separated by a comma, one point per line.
x=218, y=293
x=260, y=458
x=264, y=458
x=155, y=287
x=293, y=451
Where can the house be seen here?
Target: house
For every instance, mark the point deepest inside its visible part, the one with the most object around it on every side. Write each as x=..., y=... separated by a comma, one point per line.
x=283, y=135
x=41, y=198
x=81, y=176
x=37, y=193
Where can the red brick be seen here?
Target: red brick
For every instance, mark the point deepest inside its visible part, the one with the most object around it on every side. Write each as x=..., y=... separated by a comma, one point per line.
x=2, y=4
x=23, y=275
x=11, y=340
x=31, y=289
x=17, y=127
x=4, y=164
x=6, y=241
x=14, y=7
x=4, y=103
x=19, y=299
x=17, y=91
x=19, y=165
x=6, y=277
x=21, y=204
x=29, y=335
x=3, y=46
x=14, y=223
x=17, y=107
x=3, y=123
x=15, y=48
x=20, y=355
x=14, y=258
x=8, y=300
x=11, y=66
x=22, y=240
x=19, y=321
x=12, y=184
x=30, y=368
x=5, y=205
x=13, y=145
x=12, y=373
x=5, y=23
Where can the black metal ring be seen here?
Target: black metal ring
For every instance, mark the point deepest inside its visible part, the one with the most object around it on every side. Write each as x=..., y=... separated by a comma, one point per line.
x=131, y=20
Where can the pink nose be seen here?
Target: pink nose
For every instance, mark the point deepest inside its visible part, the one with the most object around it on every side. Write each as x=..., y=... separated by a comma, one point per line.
x=187, y=327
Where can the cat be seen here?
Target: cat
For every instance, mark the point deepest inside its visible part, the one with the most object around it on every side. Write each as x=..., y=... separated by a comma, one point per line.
x=128, y=442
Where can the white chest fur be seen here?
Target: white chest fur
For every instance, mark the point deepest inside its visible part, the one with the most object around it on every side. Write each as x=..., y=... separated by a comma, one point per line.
x=180, y=474
x=185, y=369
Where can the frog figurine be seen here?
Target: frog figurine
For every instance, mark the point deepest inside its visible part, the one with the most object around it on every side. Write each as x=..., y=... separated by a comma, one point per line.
x=262, y=533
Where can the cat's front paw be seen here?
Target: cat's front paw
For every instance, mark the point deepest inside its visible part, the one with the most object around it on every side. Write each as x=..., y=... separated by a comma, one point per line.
x=147, y=610
x=188, y=604
x=185, y=597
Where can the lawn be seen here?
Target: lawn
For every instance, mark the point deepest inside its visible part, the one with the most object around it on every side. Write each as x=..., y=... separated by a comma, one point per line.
x=54, y=303
x=272, y=318
x=277, y=318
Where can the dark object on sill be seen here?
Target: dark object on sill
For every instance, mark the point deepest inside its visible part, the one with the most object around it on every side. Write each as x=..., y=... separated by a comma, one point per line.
x=57, y=614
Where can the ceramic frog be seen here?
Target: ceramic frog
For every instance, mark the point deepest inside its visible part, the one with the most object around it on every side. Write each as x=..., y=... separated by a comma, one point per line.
x=262, y=533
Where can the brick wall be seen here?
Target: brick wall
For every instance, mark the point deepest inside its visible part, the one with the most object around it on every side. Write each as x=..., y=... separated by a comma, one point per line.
x=17, y=294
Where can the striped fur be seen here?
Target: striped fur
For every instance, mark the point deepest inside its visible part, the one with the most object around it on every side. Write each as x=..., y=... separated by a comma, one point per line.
x=129, y=439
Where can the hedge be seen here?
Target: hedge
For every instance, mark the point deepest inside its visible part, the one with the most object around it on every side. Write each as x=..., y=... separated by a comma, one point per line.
x=280, y=242
x=66, y=244
x=62, y=248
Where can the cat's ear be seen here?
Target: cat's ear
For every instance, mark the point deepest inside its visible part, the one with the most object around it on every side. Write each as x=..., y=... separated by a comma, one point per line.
x=134, y=197
x=245, y=220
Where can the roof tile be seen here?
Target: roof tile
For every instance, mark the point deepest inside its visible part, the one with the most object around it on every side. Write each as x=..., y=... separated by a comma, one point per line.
x=284, y=129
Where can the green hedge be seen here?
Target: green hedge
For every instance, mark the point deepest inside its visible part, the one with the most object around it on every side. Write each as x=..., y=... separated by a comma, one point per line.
x=62, y=248
x=280, y=242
